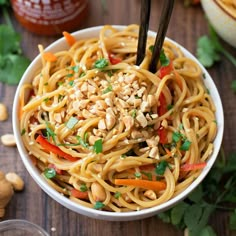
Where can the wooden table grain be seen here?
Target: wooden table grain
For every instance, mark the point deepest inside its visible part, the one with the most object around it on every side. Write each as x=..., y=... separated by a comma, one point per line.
x=187, y=24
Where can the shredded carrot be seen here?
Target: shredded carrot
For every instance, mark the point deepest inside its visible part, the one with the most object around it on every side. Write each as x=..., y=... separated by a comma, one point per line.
x=49, y=56
x=78, y=194
x=69, y=38
x=195, y=166
x=147, y=184
x=168, y=152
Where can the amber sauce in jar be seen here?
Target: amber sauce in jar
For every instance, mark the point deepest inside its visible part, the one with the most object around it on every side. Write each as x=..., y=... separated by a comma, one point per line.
x=50, y=17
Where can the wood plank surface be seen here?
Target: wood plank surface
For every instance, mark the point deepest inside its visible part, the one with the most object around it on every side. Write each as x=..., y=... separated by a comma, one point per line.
x=187, y=24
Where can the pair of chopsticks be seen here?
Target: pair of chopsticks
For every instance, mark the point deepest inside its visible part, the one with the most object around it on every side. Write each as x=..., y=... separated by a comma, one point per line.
x=160, y=37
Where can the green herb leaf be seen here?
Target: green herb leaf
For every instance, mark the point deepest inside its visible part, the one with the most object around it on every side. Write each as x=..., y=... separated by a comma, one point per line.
x=151, y=48
x=177, y=213
x=206, y=52
x=83, y=188
x=49, y=173
x=82, y=142
x=98, y=146
x=185, y=146
x=72, y=122
x=101, y=63
x=71, y=83
x=107, y=90
x=23, y=131
x=134, y=113
x=137, y=175
x=148, y=174
x=117, y=195
x=161, y=167
x=176, y=136
x=98, y=205
x=50, y=132
x=164, y=59
x=12, y=62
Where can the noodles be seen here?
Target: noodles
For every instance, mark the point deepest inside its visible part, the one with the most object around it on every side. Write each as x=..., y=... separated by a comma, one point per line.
x=229, y=6
x=93, y=120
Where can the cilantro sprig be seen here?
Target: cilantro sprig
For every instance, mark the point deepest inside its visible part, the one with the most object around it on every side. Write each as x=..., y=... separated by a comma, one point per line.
x=217, y=191
x=209, y=49
x=12, y=61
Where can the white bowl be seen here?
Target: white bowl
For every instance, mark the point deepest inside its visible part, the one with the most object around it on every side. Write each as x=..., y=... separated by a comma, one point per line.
x=223, y=21
x=104, y=215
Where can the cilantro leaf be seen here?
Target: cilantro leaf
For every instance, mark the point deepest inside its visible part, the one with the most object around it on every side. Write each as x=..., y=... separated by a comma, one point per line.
x=101, y=63
x=12, y=62
x=49, y=173
x=206, y=51
x=98, y=205
x=161, y=167
x=98, y=146
x=164, y=59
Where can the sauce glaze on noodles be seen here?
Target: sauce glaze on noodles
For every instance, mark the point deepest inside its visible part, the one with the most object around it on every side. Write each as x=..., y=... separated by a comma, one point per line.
x=128, y=123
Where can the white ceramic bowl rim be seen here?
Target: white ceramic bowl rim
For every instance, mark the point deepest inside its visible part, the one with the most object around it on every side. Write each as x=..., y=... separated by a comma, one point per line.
x=60, y=44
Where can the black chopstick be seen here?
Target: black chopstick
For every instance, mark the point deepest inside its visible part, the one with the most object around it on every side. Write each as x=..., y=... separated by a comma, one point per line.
x=163, y=25
x=143, y=29
x=144, y=24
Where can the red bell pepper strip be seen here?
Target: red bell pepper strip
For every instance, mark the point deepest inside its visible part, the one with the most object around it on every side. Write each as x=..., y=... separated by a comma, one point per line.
x=54, y=149
x=78, y=194
x=165, y=70
x=195, y=166
x=114, y=60
x=162, y=109
x=162, y=133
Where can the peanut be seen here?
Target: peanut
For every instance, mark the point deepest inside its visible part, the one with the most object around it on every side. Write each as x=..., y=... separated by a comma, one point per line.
x=98, y=192
x=3, y=112
x=15, y=180
x=150, y=194
x=8, y=140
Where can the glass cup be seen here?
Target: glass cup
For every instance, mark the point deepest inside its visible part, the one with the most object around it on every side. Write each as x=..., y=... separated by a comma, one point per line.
x=21, y=228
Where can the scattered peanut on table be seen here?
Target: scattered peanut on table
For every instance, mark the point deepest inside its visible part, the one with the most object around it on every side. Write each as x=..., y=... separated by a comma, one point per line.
x=8, y=140
x=8, y=183
x=3, y=112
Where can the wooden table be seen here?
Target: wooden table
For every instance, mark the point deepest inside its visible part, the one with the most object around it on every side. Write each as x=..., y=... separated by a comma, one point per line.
x=187, y=24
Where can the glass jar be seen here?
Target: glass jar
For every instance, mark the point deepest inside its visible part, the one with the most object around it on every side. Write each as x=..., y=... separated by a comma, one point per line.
x=50, y=17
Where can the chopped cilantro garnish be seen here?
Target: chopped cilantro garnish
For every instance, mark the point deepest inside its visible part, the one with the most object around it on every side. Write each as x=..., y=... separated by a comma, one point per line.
x=123, y=156
x=71, y=122
x=98, y=146
x=148, y=174
x=71, y=83
x=151, y=48
x=185, y=146
x=50, y=132
x=164, y=59
x=107, y=90
x=83, y=188
x=46, y=100
x=170, y=106
x=75, y=68
x=161, y=167
x=98, y=205
x=69, y=75
x=117, y=195
x=82, y=142
x=23, y=131
x=49, y=173
x=134, y=113
x=101, y=63
x=137, y=175
x=176, y=136
x=60, y=83
x=82, y=74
